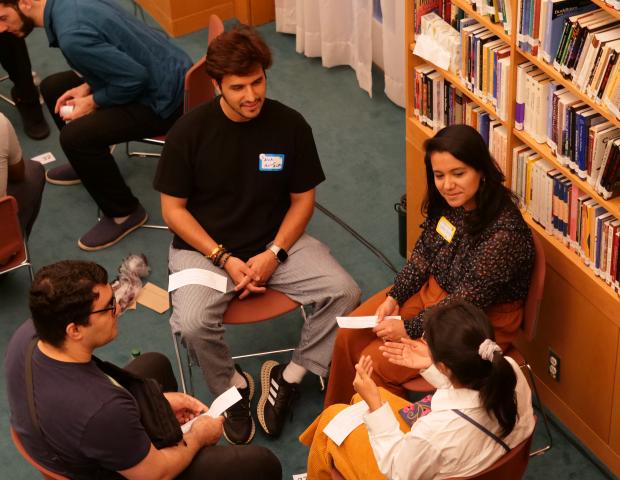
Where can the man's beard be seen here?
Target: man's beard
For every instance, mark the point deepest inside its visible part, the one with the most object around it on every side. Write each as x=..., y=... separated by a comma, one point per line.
x=27, y=23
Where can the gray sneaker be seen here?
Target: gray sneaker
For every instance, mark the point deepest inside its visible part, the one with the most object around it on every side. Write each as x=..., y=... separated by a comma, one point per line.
x=107, y=232
x=64, y=175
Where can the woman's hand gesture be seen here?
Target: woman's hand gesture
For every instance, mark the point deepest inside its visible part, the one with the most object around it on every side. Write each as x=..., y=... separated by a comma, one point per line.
x=364, y=384
x=408, y=353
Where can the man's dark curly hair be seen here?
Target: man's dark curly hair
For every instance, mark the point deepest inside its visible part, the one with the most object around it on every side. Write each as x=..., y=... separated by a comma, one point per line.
x=62, y=293
x=237, y=52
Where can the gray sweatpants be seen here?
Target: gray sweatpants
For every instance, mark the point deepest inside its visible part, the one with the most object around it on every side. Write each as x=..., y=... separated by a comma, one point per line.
x=309, y=276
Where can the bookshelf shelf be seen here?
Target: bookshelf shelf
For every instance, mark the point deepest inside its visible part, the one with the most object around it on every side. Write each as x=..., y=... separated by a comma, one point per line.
x=457, y=82
x=553, y=73
x=607, y=8
x=579, y=317
x=496, y=28
x=612, y=205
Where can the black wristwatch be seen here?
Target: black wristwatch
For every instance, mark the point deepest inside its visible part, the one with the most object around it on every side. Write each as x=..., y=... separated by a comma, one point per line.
x=279, y=252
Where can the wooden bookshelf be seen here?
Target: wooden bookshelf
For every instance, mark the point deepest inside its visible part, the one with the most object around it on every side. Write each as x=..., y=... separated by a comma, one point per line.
x=580, y=314
x=557, y=76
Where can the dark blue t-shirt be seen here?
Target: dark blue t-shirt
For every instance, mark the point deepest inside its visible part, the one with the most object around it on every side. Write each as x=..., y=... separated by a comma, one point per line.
x=88, y=420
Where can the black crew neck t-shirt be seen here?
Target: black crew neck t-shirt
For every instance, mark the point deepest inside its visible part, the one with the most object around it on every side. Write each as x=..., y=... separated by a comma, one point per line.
x=238, y=176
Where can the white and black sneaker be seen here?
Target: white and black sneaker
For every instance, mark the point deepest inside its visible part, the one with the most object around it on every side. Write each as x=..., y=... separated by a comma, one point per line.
x=239, y=426
x=277, y=397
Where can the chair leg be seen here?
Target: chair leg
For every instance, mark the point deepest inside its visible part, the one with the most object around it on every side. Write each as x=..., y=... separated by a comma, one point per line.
x=541, y=407
x=176, y=338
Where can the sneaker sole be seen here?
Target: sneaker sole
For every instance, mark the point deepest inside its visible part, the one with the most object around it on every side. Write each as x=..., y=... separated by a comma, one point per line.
x=265, y=373
x=115, y=241
x=250, y=381
x=64, y=183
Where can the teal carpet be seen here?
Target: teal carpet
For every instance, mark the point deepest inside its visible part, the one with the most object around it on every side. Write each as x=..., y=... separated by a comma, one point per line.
x=361, y=142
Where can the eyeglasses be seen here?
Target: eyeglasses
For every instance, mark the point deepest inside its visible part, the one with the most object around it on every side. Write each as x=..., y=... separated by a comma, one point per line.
x=111, y=306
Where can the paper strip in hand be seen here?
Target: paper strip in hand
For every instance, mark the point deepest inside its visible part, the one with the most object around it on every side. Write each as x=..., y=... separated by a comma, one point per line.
x=219, y=406
x=345, y=422
x=362, y=322
x=197, y=276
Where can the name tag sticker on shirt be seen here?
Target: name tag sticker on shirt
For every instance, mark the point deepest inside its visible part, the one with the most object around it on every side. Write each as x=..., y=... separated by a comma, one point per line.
x=445, y=229
x=271, y=162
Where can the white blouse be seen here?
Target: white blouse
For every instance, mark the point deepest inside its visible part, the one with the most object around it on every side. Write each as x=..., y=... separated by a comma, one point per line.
x=442, y=444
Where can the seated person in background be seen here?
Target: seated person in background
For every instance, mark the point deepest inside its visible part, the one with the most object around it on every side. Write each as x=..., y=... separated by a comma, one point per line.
x=475, y=383
x=15, y=60
x=126, y=83
x=237, y=179
x=89, y=426
x=22, y=179
x=474, y=245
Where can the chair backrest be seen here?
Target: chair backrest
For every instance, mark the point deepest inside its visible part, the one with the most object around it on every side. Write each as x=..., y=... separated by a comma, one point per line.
x=216, y=26
x=511, y=466
x=198, y=85
x=535, y=293
x=258, y=308
x=45, y=473
x=12, y=247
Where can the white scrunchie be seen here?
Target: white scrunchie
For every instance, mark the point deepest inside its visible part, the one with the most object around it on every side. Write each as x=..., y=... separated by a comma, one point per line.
x=487, y=349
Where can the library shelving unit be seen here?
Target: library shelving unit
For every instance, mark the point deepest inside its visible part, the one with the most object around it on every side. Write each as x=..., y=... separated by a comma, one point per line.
x=580, y=315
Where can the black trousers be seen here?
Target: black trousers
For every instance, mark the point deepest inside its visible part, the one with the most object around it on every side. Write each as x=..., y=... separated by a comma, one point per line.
x=218, y=462
x=15, y=60
x=86, y=142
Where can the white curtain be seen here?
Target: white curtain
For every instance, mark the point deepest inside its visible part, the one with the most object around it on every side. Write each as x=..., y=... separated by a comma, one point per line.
x=394, y=51
x=340, y=32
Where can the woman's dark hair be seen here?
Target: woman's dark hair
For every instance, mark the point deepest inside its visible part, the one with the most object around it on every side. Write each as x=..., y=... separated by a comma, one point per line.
x=467, y=145
x=62, y=293
x=237, y=52
x=454, y=333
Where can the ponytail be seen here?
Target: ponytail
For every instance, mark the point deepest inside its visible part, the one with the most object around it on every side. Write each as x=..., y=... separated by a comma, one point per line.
x=497, y=393
x=460, y=336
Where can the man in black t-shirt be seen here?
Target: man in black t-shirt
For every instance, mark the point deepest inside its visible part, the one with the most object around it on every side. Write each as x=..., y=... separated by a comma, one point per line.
x=88, y=425
x=237, y=179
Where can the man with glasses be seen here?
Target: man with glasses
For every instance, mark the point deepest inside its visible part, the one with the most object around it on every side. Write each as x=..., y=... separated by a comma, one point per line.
x=89, y=426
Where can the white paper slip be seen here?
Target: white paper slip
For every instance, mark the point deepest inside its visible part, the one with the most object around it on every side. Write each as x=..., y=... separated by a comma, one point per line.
x=44, y=158
x=219, y=406
x=300, y=476
x=362, y=322
x=345, y=422
x=197, y=276
x=224, y=402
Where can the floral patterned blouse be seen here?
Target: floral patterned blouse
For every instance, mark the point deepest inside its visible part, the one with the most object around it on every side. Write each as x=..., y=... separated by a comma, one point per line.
x=488, y=268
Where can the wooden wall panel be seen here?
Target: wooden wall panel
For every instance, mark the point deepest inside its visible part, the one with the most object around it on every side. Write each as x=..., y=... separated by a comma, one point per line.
x=614, y=438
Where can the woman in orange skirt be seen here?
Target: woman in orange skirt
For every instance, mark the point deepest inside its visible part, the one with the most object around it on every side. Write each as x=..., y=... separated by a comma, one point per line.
x=474, y=245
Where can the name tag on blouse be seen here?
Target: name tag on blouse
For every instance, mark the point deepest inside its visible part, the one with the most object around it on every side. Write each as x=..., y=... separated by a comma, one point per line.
x=271, y=162
x=445, y=229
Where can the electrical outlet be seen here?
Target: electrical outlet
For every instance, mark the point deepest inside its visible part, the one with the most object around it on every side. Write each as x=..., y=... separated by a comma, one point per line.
x=553, y=365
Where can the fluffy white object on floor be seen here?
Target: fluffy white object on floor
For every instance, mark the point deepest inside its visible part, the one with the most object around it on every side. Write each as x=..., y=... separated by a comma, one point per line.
x=128, y=284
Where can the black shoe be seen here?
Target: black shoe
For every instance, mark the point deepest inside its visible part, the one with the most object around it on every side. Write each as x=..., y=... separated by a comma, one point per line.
x=239, y=427
x=277, y=397
x=34, y=122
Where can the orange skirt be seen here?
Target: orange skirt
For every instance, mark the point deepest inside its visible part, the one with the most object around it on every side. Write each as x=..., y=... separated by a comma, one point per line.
x=354, y=458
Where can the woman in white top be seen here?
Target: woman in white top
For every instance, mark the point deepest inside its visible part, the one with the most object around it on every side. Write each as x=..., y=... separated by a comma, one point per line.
x=481, y=408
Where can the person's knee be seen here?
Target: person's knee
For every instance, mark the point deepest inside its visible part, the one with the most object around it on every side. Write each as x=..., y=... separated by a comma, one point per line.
x=267, y=465
x=50, y=88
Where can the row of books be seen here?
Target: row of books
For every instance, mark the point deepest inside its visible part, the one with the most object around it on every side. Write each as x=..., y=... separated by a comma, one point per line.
x=589, y=53
x=438, y=103
x=566, y=212
x=485, y=65
x=581, y=138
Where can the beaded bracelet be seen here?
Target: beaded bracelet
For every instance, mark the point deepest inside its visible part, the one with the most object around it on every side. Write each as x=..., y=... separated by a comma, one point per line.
x=225, y=259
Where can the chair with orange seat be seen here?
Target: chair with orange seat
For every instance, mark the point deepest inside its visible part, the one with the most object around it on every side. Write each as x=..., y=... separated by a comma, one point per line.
x=252, y=309
x=45, y=473
x=13, y=245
